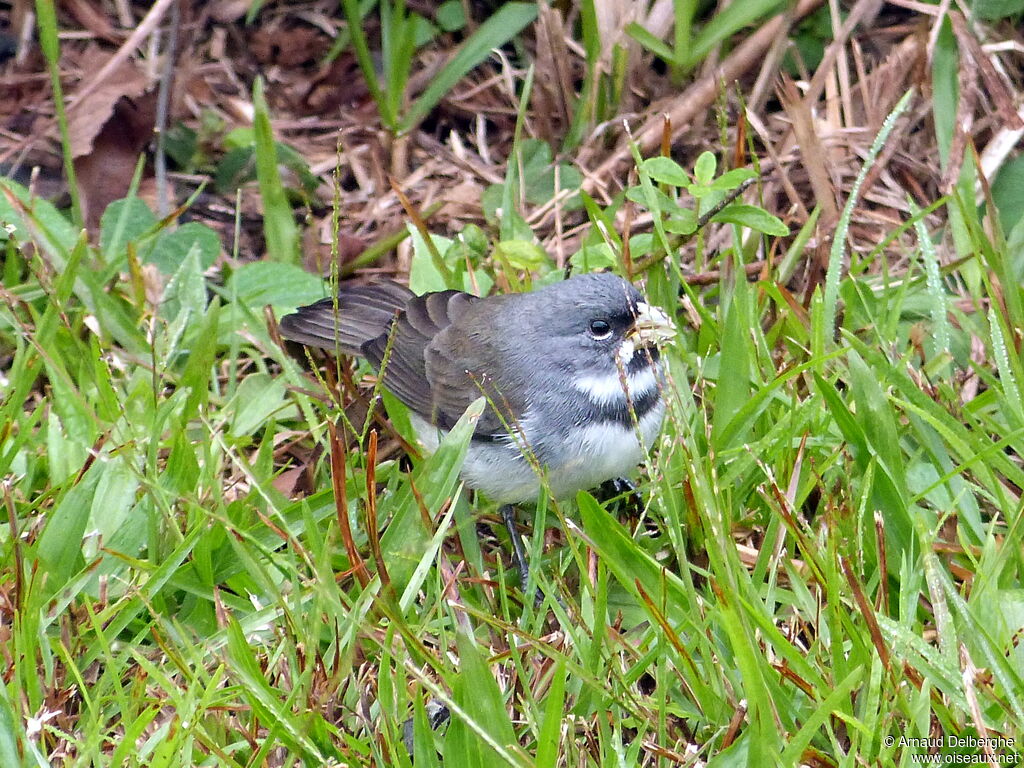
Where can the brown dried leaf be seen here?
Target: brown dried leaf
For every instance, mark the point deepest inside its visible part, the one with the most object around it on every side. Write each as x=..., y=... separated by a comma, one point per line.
x=554, y=92
x=105, y=173
x=92, y=113
x=812, y=152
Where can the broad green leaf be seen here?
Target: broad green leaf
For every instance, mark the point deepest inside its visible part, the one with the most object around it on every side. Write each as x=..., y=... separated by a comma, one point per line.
x=258, y=397
x=522, y=255
x=654, y=200
x=993, y=10
x=259, y=283
x=752, y=217
x=732, y=388
x=1008, y=192
x=424, y=274
x=682, y=222
x=450, y=16
x=665, y=170
x=627, y=562
x=123, y=221
x=36, y=220
x=172, y=246
x=114, y=500
x=594, y=257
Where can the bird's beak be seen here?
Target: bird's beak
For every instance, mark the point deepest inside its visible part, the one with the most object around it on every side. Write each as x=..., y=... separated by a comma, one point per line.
x=651, y=327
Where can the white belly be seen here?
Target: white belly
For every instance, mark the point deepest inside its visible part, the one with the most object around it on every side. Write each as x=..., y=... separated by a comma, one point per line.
x=584, y=459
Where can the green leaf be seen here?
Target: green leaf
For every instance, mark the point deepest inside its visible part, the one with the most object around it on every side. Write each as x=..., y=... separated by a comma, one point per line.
x=41, y=222
x=450, y=16
x=270, y=705
x=1008, y=192
x=361, y=48
x=726, y=23
x=424, y=274
x=186, y=290
x=752, y=217
x=196, y=376
x=651, y=42
x=732, y=388
x=181, y=144
x=510, y=19
x=476, y=693
x=682, y=222
x=281, y=233
x=593, y=257
x=538, y=174
x=522, y=255
x=993, y=10
x=115, y=497
x=172, y=246
x=733, y=179
x=123, y=221
x=424, y=751
x=627, y=562
x=259, y=283
x=665, y=170
x=258, y=396
x=405, y=540
x=60, y=543
x=236, y=168
x=548, y=741
x=704, y=168
x=875, y=414
x=654, y=200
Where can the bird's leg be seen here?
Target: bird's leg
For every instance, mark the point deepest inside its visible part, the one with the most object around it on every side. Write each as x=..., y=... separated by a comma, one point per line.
x=508, y=517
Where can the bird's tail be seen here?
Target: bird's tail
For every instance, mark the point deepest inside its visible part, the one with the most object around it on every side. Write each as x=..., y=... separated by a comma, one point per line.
x=362, y=313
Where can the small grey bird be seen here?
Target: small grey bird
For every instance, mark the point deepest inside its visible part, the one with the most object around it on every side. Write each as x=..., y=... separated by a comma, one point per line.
x=570, y=372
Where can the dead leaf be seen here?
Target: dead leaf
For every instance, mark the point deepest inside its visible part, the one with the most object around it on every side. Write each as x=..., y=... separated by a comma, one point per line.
x=92, y=114
x=108, y=130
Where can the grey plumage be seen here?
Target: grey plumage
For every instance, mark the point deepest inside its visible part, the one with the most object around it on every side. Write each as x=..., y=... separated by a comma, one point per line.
x=551, y=381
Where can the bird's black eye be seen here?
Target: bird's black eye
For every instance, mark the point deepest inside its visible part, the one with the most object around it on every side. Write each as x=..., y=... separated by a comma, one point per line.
x=600, y=329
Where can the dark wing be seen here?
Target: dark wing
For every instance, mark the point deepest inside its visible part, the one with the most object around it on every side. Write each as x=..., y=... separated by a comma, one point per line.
x=405, y=346
x=466, y=361
x=363, y=313
x=436, y=365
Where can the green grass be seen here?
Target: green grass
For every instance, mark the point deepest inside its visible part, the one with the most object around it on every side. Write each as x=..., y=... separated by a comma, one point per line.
x=828, y=567
x=170, y=605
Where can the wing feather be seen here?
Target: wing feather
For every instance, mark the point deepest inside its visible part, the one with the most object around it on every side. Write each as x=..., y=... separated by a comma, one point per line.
x=361, y=313
x=433, y=351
